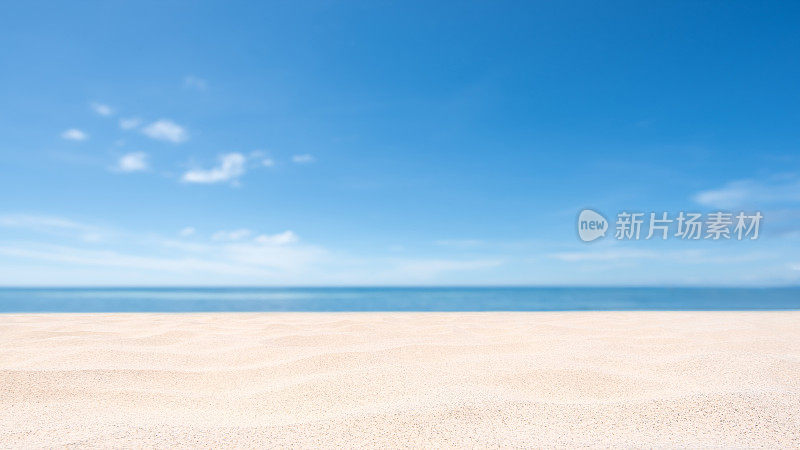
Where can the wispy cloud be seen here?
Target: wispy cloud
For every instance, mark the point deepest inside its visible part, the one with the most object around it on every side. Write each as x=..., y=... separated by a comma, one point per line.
x=133, y=162
x=234, y=235
x=303, y=159
x=422, y=269
x=39, y=222
x=74, y=134
x=463, y=243
x=194, y=82
x=116, y=259
x=101, y=109
x=285, y=238
x=231, y=166
x=606, y=255
x=262, y=158
x=228, y=252
x=752, y=193
x=53, y=225
x=236, y=256
x=683, y=256
x=47, y=249
x=129, y=123
x=166, y=130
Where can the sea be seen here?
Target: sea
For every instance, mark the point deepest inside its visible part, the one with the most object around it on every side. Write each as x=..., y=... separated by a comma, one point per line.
x=207, y=299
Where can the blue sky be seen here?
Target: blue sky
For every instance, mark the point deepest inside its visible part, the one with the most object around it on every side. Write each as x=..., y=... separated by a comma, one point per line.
x=393, y=143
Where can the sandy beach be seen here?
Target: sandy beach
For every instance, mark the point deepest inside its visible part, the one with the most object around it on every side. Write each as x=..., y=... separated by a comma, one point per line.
x=401, y=379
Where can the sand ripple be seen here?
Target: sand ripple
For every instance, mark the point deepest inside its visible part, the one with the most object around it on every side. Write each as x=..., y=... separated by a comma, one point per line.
x=401, y=379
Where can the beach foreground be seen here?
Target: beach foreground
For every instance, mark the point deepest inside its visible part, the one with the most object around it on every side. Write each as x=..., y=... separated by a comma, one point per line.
x=401, y=379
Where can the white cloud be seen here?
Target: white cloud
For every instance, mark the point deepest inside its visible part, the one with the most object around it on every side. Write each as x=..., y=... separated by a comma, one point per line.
x=101, y=109
x=53, y=225
x=606, y=255
x=57, y=251
x=109, y=258
x=285, y=238
x=265, y=161
x=234, y=235
x=693, y=256
x=751, y=193
x=129, y=123
x=459, y=242
x=74, y=134
x=431, y=268
x=303, y=159
x=195, y=83
x=728, y=196
x=133, y=162
x=166, y=130
x=230, y=168
x=38, y=222
x=266, y=259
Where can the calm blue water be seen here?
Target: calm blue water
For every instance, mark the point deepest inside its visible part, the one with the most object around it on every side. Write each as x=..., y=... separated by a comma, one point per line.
x=393, y=299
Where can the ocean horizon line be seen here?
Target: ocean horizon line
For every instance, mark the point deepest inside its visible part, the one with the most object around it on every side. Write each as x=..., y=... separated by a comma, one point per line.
x=400, y=286
x=211, y=299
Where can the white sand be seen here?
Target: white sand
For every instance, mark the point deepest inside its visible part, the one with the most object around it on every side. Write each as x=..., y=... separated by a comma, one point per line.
x=397, y=379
